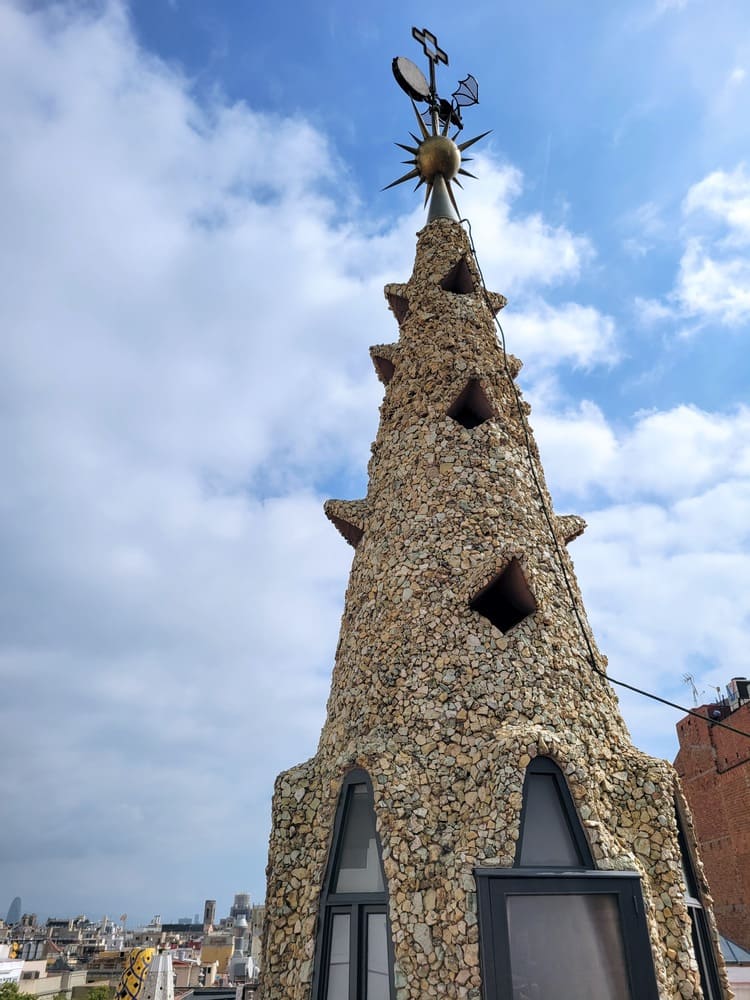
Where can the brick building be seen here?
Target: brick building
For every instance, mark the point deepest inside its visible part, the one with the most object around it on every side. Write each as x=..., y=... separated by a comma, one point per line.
x=714, y=765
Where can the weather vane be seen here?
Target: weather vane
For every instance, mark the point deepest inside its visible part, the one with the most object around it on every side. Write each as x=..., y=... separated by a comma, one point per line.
x=436, y=157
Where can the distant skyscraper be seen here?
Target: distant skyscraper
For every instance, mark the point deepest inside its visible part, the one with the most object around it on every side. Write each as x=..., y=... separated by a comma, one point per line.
x=14, y=911
x=209, y=914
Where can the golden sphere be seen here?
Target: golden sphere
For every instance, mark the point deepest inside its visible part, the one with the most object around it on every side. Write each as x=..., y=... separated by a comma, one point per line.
x=438, y=155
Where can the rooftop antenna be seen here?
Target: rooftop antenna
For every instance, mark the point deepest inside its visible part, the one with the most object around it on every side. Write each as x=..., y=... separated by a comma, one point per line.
x=436, y=159
x=690, y=681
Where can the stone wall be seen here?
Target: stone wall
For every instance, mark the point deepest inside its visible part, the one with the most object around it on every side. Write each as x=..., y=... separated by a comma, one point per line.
x=441, y=708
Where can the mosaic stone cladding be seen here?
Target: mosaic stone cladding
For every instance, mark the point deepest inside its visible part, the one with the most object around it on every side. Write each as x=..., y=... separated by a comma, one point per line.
x=440, y=707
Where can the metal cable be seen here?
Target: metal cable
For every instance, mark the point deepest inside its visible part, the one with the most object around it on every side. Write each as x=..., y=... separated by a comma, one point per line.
x=553, y=533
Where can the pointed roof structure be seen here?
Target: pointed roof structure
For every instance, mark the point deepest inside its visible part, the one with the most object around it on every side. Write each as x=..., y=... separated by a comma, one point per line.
x=462, y=668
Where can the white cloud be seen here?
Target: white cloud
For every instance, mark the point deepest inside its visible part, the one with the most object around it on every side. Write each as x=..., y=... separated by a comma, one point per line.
x=713, y=280
x=544, y=335
x=665, y=559
x=517, y=253
x=737, y=76
x=664, y=5
x=714, y=276
x=648, y=228
x=634, y=247
x=650, y=311
x=665, y=454
x=712, y=287
x=726, y=197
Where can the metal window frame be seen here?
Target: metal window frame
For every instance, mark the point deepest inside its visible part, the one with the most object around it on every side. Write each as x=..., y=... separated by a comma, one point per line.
x=545, y=765
x=494, y=885
x=703, y=943
x=357, y=904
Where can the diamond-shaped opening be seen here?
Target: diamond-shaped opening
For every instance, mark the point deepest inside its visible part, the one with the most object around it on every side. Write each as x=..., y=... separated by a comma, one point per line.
x=471, y=408
x=507, y=599
x=399, y=306
x=384, y=367
x=458, y=279
x=351, y=532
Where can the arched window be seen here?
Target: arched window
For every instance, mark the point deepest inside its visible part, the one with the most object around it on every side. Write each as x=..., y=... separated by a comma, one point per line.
x=554, y=926
x=354, y=953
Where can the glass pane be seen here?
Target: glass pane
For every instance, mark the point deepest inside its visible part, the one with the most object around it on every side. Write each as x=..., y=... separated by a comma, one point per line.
x=704, y=954
x=359, y=864
x=547, y=839
x=566, y=948
x=338, y=963
x=377, y=958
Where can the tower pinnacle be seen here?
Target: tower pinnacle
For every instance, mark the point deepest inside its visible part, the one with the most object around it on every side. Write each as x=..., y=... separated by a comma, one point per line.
x=436, y=157
x=475, y=821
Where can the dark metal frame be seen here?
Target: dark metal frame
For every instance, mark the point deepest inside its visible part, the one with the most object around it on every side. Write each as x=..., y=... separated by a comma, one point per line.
x=543, y=765
x=494, y=885
x=357, y=905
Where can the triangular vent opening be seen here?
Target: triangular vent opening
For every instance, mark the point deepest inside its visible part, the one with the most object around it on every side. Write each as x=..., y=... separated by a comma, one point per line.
x=399, y=306
x=351, y=532
x=471, y=408
x=357, y=867
x=384, y=367
x=458, y=280
x=507, y=600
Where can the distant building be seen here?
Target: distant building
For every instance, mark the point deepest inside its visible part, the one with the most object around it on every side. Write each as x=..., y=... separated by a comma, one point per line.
x=14, y=912
x=181, y=930
x=241, y=906
x=218, y=947
x=36, y=978
x=714, y=765
x=738, y=968
x=209, y=915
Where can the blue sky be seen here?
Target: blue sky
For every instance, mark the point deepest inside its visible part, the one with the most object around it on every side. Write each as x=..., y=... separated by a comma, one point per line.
x=193, y=253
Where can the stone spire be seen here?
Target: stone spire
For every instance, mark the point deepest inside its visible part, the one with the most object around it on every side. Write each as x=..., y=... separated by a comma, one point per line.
x=451, y=507
x=460, y=661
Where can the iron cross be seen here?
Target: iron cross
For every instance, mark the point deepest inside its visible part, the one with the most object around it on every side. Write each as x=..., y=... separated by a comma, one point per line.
x=435, y=55
x=430, y=46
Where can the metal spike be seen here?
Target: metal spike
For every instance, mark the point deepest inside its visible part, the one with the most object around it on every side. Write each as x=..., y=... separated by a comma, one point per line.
x=406, y=177
x=413, y=160
x=457, y=181
x=416, y=139
x=470, y=142
x=422, y=127
x=428, y=192
x=466, y=173
x=420, y=182
x=409, y=149
x=453, y=199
